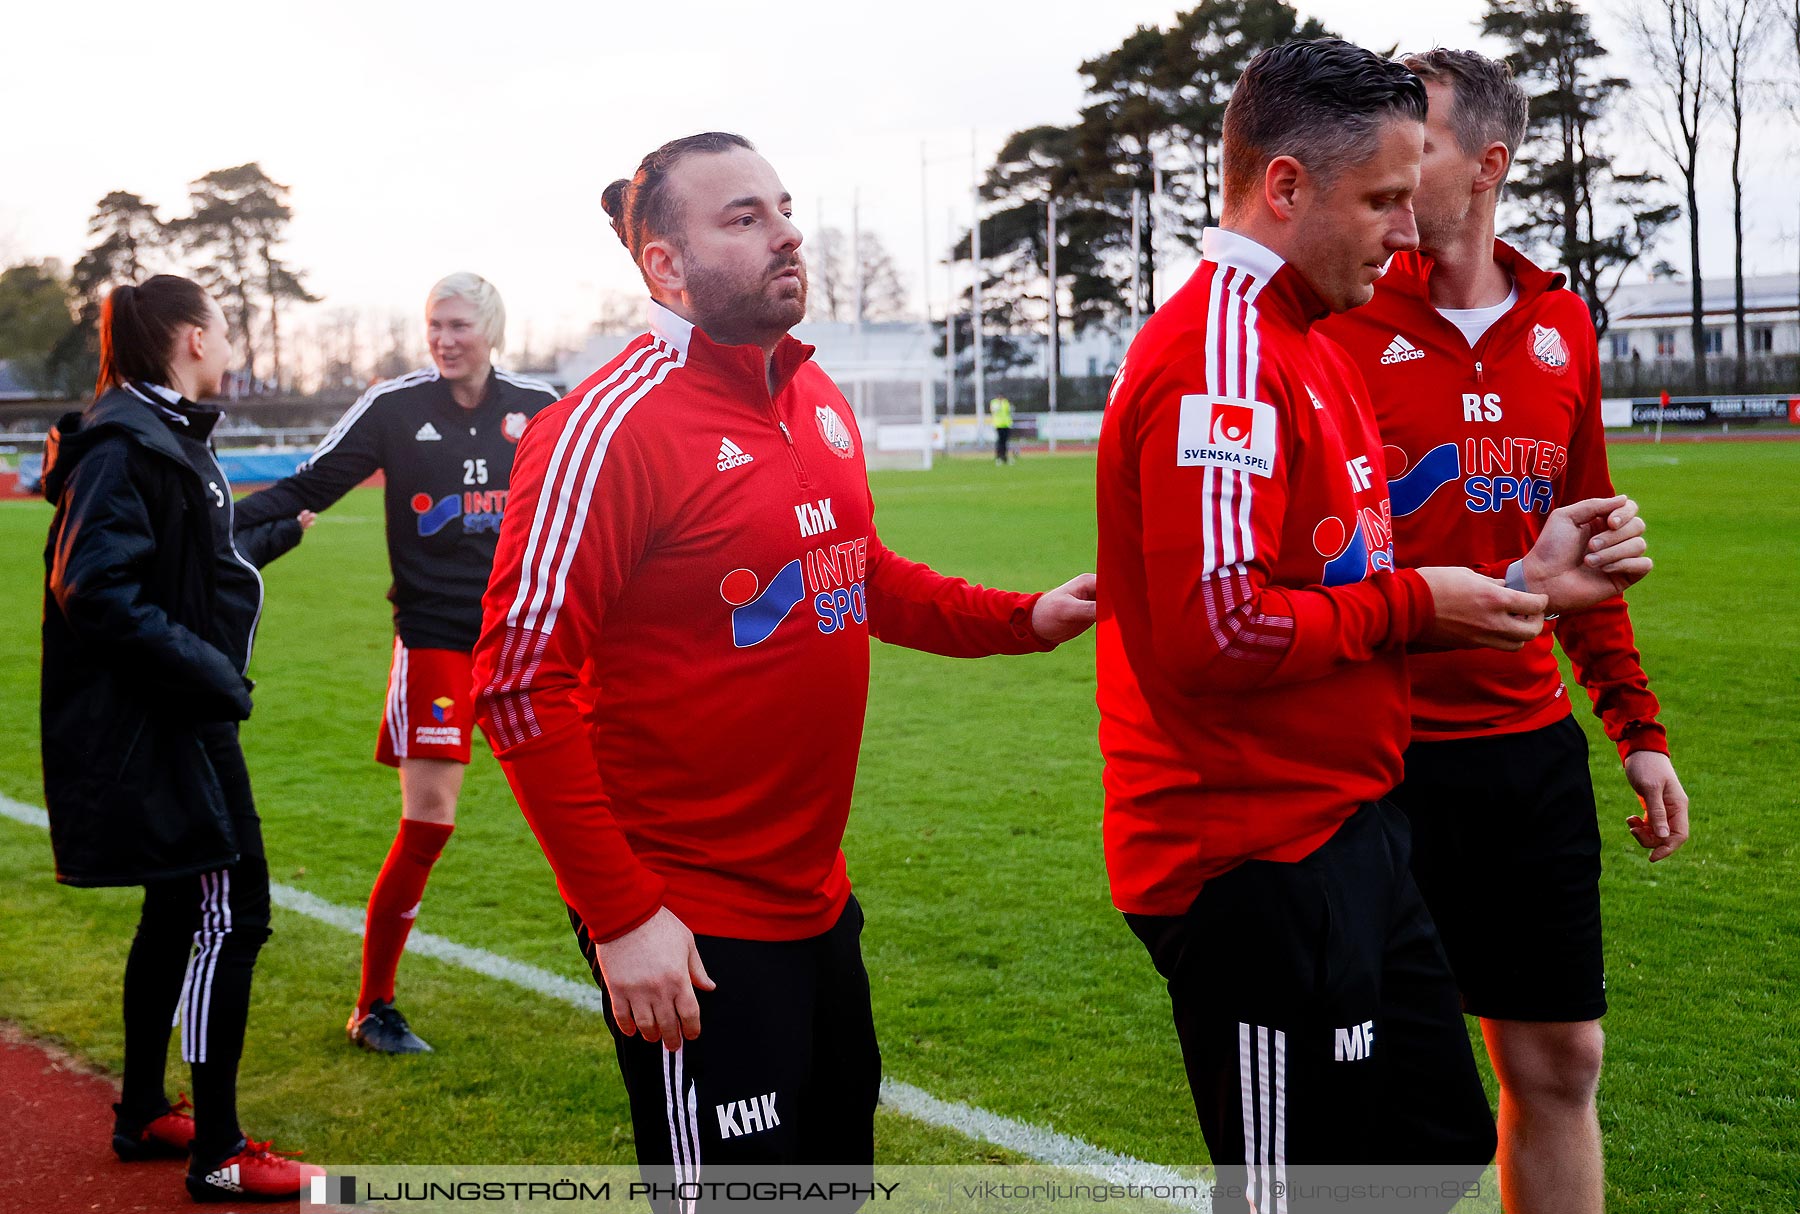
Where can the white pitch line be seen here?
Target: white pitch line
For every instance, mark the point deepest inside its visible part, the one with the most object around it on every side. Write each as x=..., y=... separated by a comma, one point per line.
x=30, y=815
x=1037, y=1143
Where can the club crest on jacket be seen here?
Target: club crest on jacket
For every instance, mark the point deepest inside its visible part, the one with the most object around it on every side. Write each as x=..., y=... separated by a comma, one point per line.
x=833, y=430
x=1548, y=349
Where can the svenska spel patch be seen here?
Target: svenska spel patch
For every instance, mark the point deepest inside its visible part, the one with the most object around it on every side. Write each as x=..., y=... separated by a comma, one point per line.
x=1226, y=432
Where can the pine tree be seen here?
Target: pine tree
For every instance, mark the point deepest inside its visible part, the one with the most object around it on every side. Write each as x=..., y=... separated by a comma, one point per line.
x=1568, y=196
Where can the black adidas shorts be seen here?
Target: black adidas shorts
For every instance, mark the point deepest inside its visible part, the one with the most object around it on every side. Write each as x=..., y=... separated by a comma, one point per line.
x=786, y=1070
x=1319, y=1025
x=1506, y=849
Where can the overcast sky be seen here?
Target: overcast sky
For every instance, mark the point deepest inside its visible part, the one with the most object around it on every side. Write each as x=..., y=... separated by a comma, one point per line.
x=423, y=138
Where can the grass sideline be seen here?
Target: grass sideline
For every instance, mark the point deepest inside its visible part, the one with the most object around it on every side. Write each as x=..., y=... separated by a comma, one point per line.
x=1001, y=976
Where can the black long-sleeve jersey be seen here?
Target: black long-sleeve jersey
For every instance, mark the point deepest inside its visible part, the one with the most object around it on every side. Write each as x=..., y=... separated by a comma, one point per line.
x=447, y=471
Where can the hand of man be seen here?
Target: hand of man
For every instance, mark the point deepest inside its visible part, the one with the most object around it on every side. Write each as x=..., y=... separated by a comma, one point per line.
x=1066, y=612
x=1476, y=611
x=651, y=972
x=1663, y=826
x=1587, y=553
x=306, y=518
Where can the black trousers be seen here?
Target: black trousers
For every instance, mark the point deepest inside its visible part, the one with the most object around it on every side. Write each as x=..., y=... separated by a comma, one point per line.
x=190, y=964
x=786, y=1070
x=1002, y=437
x=1320, y=1025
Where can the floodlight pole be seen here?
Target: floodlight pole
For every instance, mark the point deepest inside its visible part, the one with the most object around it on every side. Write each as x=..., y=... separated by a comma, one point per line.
x=924, y=242
x=1155, y=195
x=975, y=301
x=924, y=296
x=1055, y=351
x=1136, y=256
x=856, y=262
x=949, y=326
x=856, y=296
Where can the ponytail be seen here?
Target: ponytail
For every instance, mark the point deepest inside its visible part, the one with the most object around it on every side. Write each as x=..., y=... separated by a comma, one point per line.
x=139, y=325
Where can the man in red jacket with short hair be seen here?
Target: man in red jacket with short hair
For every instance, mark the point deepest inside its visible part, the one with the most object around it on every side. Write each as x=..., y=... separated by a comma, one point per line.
x=674, y=666
x=1252, y=657
x=1485, y=378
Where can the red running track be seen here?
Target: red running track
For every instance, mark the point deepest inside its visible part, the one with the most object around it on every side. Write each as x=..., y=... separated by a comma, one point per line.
x=56, y=1141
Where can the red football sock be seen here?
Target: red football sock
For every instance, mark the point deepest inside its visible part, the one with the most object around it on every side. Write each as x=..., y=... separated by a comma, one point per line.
x=394, y=904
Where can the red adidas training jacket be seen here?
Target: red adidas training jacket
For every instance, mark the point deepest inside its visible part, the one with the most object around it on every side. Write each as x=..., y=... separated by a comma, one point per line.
x=1481, y=444
x=674, y=658
x=1252, y=674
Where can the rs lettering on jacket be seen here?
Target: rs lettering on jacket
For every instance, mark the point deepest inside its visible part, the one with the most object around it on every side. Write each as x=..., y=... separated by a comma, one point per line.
x=1226, y=432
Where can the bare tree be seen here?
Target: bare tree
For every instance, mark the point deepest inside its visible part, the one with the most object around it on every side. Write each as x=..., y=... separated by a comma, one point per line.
x=883, y=289
x=1743, y=29
x=832, y=277
x=618, y=312
x=1672, y=36
x=403, y=342
x=340, y=355
x=828, y=274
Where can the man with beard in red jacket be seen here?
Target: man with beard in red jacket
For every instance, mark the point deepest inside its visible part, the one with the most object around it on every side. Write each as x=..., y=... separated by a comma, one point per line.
x=673, y=669
x=1485, y=378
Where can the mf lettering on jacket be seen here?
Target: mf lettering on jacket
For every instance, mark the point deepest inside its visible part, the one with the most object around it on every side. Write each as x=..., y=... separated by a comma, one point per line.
x=740, y=1117
x=1356, y=1042
x=1226, y=432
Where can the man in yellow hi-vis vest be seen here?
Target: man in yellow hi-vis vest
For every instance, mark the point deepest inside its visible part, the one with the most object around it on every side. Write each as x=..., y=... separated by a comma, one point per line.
x=1001, y=408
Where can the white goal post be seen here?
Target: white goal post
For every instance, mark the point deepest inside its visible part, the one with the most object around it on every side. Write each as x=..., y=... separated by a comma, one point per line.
x=895, y=407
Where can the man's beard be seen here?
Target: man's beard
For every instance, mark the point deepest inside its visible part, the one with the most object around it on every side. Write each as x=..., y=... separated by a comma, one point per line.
x=733, y=310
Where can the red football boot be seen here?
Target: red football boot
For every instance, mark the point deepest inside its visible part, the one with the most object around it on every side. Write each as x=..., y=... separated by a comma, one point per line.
x=164, y=1137
x=253, y=1173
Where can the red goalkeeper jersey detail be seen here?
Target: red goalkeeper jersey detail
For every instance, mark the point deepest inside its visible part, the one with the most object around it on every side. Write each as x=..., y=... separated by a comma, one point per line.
x=674, y=656
x=1481, y=444
x=1252, y=674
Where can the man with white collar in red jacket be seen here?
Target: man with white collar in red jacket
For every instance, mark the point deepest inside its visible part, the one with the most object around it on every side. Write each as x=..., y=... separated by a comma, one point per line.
x=1252, y=651
x=673, y=669
x=1484, y=374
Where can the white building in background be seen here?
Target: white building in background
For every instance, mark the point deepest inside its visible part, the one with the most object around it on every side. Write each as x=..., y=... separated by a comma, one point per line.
x=886, y=344
x=1650, y=321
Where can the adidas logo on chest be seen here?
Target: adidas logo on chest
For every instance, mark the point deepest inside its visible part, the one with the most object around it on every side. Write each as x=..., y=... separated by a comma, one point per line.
x=1400, y=351
x=732, y=456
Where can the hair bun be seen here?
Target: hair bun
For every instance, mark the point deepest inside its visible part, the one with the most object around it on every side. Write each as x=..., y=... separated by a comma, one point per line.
x=612, y=201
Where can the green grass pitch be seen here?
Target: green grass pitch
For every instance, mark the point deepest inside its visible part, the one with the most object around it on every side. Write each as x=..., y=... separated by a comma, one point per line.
x=1001, y=975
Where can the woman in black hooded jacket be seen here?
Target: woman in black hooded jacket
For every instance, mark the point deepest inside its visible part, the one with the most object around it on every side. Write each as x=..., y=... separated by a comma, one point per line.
x=150, y=612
